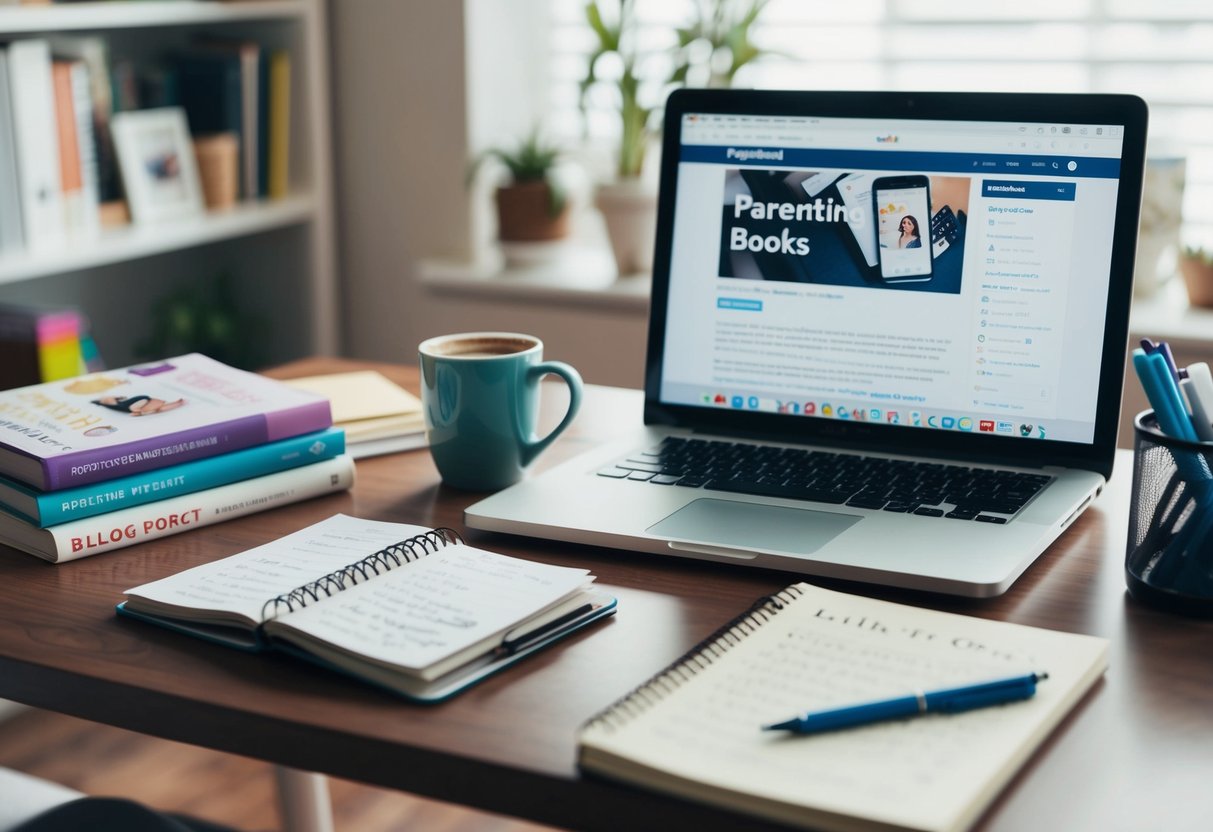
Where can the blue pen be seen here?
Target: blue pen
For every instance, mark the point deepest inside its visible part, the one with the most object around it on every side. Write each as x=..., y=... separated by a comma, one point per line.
x=1164, y=395
x=1164, y=349
x=950, y=700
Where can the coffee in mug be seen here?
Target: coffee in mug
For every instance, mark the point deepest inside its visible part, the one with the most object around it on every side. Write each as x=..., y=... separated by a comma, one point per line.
x=480, y=397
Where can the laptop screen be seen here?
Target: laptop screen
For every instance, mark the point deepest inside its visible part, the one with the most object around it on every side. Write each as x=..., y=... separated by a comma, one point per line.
x=946, y=275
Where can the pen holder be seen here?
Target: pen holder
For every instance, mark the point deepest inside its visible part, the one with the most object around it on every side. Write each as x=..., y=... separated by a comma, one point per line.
x=1169, y=560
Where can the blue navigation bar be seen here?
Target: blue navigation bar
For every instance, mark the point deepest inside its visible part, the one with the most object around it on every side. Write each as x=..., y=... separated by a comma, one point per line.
x=1028, y=190
x=903, y=160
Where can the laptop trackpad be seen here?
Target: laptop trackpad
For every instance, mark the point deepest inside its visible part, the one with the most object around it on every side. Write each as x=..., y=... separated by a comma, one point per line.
x=730, y=524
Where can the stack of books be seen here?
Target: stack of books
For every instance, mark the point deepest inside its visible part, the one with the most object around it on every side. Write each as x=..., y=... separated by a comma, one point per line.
x=111, y=459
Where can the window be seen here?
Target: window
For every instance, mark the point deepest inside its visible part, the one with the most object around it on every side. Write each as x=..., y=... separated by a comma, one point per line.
x=1160, y=51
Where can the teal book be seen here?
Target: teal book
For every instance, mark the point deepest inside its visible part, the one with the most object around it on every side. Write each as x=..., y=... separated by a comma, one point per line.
x=45, y=509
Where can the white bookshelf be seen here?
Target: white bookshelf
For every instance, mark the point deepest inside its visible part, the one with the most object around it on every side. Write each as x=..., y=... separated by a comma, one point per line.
x=288, y=242
x=128, y=14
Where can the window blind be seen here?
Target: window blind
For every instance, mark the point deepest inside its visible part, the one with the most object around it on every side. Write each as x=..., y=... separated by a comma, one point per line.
x=1160, y=51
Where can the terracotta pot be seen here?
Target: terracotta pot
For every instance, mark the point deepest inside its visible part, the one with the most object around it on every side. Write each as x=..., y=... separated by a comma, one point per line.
x=1198, y=277
x=630, y=211
x=524, y=214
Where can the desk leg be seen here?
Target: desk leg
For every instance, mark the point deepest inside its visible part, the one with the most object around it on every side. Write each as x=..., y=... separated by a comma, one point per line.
x=304, y=800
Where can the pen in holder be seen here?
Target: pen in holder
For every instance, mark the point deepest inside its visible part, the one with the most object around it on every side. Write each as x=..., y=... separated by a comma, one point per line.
x=1169, y=560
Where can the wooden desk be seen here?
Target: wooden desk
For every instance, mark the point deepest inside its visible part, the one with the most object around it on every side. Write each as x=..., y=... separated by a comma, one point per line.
x=1134, y=755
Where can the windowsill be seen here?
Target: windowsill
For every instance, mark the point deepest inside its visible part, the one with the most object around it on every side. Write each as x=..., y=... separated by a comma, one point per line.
x=565, y=274
x=1167, y=314
x=583, y=275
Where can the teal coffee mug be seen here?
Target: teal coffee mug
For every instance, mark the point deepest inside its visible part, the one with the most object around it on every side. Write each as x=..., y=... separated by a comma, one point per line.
x=480, y=395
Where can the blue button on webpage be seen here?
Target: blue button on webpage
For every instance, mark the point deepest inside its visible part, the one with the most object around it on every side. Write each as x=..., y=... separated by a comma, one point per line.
x=744, y=304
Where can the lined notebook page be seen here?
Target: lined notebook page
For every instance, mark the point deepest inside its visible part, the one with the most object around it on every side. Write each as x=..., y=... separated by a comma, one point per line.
x=828, y=649
x=435, y=607
x=242, y=583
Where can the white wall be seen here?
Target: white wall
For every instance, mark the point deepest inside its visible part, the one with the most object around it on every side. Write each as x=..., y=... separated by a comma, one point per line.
x=405, y=126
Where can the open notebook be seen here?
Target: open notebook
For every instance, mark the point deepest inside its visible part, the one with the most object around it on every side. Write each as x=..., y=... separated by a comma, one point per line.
x=695, y=729
x=410, y=609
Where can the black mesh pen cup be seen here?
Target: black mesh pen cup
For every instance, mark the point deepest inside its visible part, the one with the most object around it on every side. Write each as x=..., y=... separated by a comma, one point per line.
x=1169, y=560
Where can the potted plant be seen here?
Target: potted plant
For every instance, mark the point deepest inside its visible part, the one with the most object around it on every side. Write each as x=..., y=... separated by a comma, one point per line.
x=709, y=51
x=532, y=205
x=1196, y=266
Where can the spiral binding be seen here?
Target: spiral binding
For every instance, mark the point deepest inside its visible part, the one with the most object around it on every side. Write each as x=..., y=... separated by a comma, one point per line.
x=384, y=560
x=695, y=660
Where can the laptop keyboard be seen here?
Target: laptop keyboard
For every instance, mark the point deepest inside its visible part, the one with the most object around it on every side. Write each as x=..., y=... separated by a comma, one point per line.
x=928, y=489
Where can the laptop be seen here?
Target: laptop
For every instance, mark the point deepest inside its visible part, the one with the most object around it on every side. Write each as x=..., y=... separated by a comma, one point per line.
x=887, y=338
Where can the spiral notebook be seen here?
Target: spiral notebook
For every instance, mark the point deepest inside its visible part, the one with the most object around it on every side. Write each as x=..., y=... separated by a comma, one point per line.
x=694, y=730
x=416, y=611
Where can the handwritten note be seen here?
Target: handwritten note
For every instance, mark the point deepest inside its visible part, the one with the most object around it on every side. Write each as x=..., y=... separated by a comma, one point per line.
x=435, y=607
x=829, y=649
x=241, y=584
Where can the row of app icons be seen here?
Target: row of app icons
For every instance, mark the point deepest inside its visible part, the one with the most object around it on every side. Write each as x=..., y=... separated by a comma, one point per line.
x=910, y=418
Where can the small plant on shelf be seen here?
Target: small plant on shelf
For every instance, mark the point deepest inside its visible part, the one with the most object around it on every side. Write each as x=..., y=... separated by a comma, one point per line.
x=532, y=204
x=1196, y=266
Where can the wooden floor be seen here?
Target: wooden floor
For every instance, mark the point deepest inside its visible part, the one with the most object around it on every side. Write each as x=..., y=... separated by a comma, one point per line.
x=222, y=788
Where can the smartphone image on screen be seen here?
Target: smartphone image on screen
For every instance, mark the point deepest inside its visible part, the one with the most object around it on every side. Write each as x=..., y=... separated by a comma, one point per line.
x=902, y=206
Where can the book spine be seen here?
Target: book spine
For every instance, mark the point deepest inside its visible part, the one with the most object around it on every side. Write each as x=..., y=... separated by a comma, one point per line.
x=88, y=221
x=126, y=527
x=12, y=238
x=32, y=94
x=71, y=179
x=176, y=480
x=249, y=150
x=280, y=124
x=101, y=464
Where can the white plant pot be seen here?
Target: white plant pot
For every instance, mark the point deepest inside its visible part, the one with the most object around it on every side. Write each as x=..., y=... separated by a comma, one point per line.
x=629, y=209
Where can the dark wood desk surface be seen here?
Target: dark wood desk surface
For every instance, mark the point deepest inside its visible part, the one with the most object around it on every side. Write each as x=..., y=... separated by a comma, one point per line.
x=1135, y=754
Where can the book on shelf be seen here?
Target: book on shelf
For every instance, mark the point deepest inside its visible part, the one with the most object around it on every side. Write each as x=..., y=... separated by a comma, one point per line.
x=417, y=612
x=221, y=85
x=127, y=526
x=50, y=508
x=32, y=105
x=93, y=52
x=278, y=128
x=77, y=148
x=106, y=425
x=12, y=236
x=378, y=416
x=696, y=729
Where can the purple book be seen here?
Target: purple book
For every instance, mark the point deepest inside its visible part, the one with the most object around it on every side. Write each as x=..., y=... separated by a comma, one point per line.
x=110, y=424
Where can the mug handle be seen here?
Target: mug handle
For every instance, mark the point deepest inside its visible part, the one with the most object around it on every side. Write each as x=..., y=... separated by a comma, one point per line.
x=572, y=378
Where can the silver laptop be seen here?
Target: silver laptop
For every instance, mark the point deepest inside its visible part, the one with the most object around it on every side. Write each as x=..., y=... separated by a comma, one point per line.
x=887, y=338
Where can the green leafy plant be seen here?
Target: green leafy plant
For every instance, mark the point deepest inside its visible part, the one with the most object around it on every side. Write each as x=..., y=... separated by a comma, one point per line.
x=709, y=51
x=618, y=37
x=1199, y=254
x=533, y=160
x=717, y=44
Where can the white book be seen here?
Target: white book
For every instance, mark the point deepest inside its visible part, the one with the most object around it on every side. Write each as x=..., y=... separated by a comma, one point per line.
x=11, y=236
x=37, y=144
x=696, y=729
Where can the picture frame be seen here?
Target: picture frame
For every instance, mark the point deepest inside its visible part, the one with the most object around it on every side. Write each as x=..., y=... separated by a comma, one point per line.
x=159, y=172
